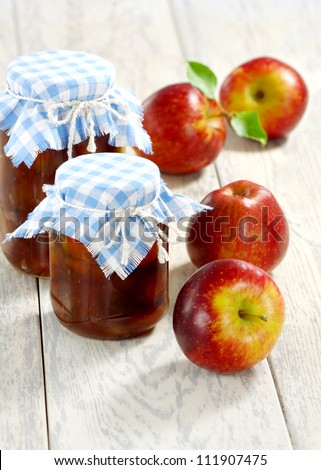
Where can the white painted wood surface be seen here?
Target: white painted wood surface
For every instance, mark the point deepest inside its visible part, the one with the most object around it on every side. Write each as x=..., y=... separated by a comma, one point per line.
x=22, y=396
x=143, y=393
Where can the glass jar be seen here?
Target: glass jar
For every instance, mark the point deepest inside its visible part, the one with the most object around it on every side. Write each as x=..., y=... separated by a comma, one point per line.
x=58, y=104
x=108, y=216
x=90, y=305
x=21, y=191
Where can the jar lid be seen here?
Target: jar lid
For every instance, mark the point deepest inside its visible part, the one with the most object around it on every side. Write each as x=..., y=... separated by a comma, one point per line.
x=57, y=98
x=114, y=204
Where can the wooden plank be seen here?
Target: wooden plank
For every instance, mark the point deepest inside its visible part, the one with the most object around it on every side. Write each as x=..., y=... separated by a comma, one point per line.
x=22, y=402
x=141, y=393
x=124, y=32
x=8, y=43
x=291, y=169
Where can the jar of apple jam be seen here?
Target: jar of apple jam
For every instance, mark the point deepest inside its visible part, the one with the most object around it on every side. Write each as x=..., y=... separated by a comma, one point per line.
x=108, y=216
x=57, y=105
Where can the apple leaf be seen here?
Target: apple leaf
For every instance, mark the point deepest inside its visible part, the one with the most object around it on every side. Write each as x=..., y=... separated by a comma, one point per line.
x=247, y=124
x=202, y=77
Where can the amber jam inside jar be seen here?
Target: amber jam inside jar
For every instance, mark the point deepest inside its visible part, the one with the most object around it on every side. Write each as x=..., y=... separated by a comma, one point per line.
x=89, y=304
x=21, y=191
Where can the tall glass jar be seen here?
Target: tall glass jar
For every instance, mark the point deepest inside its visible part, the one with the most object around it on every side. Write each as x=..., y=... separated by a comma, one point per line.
x=57, y=105
x=108, y=216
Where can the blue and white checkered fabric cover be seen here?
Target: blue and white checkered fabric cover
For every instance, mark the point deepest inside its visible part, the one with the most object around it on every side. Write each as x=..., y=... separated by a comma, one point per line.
x=47, y=90
x=113, y=203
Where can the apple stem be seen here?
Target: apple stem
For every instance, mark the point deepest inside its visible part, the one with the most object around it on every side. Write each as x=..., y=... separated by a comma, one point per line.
x=242, y=313
x=224, y=112
x=227, y=114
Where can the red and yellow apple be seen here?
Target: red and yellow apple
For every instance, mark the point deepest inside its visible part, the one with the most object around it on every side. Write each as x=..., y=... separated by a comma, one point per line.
x=246, y=222
x=187, y=129
x=228, y=316
x=273, y=89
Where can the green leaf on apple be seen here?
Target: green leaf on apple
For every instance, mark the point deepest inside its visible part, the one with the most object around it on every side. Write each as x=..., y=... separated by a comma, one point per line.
x=247, y=124
x=202, y=77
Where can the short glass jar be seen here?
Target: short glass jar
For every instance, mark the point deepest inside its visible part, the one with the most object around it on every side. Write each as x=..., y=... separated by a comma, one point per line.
x=108, y=216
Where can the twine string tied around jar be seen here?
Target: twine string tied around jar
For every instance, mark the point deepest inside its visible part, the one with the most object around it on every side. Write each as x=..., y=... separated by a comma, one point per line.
x=76, y=108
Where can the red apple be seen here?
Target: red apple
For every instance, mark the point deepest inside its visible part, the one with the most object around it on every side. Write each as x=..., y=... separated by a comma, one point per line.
x=272, y=88
x=187, y=129
x=245, y=222
x=228, y=316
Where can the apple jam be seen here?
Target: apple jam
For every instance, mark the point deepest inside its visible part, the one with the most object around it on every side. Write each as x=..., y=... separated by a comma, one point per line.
x=91, y=305
x=21, y=191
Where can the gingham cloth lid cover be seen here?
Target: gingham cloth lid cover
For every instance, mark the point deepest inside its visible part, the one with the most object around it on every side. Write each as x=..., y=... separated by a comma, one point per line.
x=113, y=203
x=58, y=98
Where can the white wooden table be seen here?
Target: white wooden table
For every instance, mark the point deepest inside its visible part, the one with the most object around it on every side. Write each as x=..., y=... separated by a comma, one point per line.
x=60, y=391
